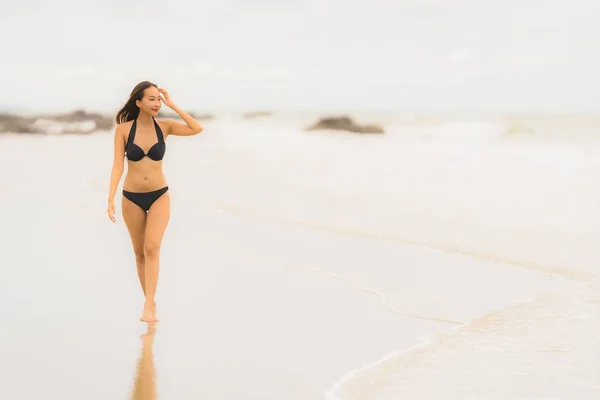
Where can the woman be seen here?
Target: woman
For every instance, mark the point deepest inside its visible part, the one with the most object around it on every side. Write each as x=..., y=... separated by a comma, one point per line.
x=146, y=200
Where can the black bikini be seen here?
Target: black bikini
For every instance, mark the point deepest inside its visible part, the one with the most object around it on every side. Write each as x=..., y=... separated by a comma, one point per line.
x=135, y=153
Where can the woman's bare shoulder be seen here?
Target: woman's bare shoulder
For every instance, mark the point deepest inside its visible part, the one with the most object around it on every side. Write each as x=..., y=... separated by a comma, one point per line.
x=124, y=125
x=122, y=129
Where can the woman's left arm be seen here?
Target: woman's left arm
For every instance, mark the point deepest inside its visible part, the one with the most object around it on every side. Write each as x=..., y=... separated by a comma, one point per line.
x=191, y=126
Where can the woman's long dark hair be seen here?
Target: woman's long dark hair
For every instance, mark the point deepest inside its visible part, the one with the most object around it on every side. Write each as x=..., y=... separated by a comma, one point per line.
x=130, y=110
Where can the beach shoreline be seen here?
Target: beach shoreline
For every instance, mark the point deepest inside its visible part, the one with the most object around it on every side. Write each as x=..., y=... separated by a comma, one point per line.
x=522, y=341
x=289, y=269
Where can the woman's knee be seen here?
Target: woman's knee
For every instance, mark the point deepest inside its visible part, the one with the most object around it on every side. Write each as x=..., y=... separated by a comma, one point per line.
x=139, y=254
x=151, y=249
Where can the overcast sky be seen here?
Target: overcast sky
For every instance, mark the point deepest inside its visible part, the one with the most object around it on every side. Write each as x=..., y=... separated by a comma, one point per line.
x=521, y=55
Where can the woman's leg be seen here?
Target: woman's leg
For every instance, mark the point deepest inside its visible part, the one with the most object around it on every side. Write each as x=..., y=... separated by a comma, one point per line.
x=135, y=219
x=156, y=224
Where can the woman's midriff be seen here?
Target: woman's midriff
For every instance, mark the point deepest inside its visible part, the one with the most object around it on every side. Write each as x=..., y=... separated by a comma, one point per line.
x=145, y=175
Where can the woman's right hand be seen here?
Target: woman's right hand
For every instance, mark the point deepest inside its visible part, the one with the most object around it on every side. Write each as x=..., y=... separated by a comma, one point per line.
x=111, y=210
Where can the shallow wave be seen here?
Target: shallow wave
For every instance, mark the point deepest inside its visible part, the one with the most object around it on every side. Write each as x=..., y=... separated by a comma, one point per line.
x=544, y=348
x=464, y=187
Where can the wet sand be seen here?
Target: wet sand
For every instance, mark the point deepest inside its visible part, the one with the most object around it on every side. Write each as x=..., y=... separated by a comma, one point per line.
x=249, y=309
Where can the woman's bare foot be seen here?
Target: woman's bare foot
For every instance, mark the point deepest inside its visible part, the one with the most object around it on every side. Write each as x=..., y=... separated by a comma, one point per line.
x=149, y=313
x=148, y=336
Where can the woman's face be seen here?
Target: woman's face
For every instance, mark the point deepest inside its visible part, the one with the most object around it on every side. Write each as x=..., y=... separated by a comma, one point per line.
x=150, y=102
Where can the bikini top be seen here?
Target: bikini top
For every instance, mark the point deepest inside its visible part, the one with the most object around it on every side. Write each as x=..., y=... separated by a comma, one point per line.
x=135, y=152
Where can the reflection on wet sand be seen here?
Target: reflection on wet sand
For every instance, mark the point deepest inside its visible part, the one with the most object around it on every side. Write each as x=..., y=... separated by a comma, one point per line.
x=145, y=379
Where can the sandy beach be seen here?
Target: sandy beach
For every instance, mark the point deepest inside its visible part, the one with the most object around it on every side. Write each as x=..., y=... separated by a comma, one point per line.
x=264, y=295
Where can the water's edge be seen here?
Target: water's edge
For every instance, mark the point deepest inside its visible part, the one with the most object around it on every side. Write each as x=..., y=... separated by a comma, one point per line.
x=561, y=288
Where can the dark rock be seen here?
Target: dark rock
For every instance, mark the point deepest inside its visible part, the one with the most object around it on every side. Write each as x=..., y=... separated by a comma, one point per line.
x=103, y=122
x=16, y=124
x=42, y=123
x=344, y=123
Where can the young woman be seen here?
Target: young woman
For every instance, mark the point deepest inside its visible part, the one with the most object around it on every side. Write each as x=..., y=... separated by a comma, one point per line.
x=146, y=200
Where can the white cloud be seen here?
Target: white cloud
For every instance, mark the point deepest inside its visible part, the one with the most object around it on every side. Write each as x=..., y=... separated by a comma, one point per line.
x=402, y=53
